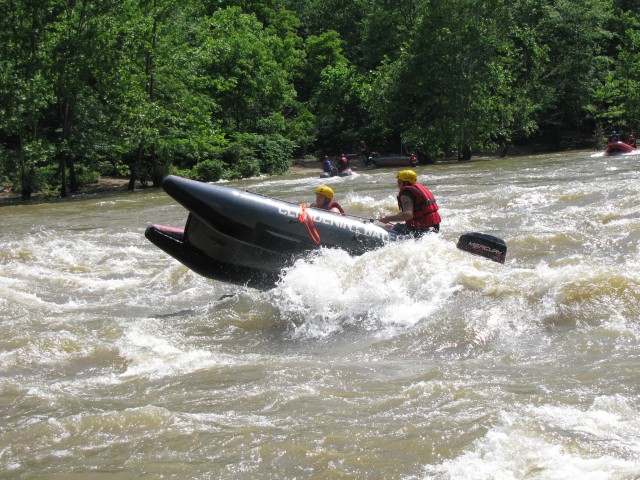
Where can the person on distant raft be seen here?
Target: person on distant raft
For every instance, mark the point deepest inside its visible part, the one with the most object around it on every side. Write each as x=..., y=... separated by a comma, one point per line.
x=324, y=200
x=343, y=164
x=326, y=165
x=418, y=206
x=613, y=137
x=632, y=140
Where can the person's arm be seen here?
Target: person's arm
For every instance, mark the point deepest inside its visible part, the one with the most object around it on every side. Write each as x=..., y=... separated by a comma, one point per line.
x=404, y=215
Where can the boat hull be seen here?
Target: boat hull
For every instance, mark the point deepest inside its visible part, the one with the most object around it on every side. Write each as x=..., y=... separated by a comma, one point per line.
x=618, y=148
x=345, y=173
x=393, y=161
x=246, y=238
x=174, y=242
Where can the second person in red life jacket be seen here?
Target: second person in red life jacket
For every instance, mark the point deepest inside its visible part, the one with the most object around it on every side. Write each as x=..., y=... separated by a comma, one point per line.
x=324, y=200
x=343, y=164
x=419, y=209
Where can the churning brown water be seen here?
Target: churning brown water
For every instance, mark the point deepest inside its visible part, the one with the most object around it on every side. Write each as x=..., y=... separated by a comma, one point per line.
x=415, y=361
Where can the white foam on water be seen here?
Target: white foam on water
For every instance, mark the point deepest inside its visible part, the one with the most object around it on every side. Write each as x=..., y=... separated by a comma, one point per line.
x=152, y=349
x=554, y=443
x=104, y=269
x=391, y=290
x=386, y=290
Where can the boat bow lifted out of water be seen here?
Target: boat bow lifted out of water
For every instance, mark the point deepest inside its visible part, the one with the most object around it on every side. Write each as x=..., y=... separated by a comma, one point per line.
x=245, y=238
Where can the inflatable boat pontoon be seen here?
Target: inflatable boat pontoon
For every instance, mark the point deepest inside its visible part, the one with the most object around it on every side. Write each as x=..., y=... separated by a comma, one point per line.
x=246, y=238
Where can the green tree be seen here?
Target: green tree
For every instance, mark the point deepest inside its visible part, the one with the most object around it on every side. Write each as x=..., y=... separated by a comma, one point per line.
x=453, y=85
x=251, y=71
x=238, y=86
x=386, y=26
x=339, y=106
x=321, y=51
x=158, y=87
x=618, y=100
x=72, y=66
x=319, y=16
x=246, y=79
x=576, y=37
x=25, y=91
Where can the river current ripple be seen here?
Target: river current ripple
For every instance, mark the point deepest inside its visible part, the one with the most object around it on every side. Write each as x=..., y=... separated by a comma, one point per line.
x=414, y=361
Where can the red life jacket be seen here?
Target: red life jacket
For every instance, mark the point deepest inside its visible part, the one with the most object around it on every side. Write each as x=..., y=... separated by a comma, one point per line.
x=343, y=164
x=330, y=205
x=425, y=208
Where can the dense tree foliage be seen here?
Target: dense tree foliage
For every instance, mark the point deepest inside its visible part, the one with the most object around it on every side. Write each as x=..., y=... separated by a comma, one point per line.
x=234, y=88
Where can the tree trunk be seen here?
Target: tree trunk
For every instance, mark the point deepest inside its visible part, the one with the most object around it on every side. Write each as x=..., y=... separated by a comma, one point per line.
x=464, y=153
x=74, y=186
x=135, y=168
x=26, y=181
x=65, y=156
x=63, y=174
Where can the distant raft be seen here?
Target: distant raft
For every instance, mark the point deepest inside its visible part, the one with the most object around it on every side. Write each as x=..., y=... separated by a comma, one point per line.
x=393, y=161
x=618, y=148
x=334, y=173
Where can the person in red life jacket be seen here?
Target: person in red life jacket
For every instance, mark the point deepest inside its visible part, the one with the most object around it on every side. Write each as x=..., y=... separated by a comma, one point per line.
x=413, y=159
x=324, y=200
x=343, y=164
x=632, y=140
x=419, y=209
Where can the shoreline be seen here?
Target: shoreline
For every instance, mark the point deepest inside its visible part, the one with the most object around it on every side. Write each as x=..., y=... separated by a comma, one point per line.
x=104, y=185
x=114, y=185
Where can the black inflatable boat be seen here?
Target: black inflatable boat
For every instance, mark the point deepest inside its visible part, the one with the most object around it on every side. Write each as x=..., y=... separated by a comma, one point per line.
x=246, y=238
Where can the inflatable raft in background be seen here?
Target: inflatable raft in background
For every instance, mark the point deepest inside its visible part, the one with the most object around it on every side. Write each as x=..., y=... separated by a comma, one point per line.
x=247, y=239
x=617, y=148
x=393, y=161
x=334, y=173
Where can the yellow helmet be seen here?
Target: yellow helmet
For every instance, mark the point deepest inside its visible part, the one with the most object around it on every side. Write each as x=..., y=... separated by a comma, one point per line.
x=326, y=191
x=407, y=176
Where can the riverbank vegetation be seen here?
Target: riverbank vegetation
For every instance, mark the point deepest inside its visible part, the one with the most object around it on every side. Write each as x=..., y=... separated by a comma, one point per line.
x=235, y=88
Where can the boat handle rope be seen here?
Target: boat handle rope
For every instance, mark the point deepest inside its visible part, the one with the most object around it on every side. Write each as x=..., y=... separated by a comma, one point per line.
x=306, y=220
